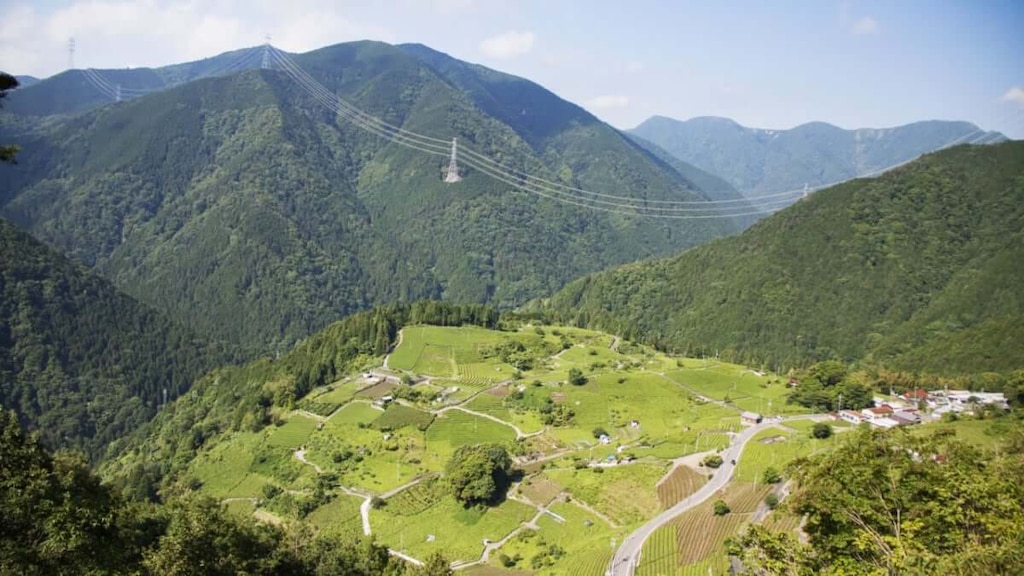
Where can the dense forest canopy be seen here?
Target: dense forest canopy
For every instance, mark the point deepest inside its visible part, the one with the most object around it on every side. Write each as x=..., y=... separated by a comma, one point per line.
x=914, y=270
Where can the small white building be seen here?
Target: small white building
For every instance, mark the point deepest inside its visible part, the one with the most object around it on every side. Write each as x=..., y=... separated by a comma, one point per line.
x=851, y=417
x=885, y=423
x=750, y=418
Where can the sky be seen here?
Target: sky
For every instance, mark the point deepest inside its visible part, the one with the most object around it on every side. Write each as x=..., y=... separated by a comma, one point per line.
x=772, y=64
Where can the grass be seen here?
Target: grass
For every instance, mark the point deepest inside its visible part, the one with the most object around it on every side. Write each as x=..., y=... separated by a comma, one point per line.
x=776, y=448
x=540, y=489
x=340, y=516
x=625, y=494
x=586, y=539
x=416, y=499
x=456, y=531
x=737, y=384
x=294, y=433
x=457, y=428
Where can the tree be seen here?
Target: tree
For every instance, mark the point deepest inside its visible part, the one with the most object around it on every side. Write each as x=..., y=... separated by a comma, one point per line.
x=479, y=474
x=435, y=565
x=711, y=461
x=7, y=82
x=576, y=377
x=821, y=430
x=772, y=501
x=598, y=432
x=771, y=476
x=721, y=508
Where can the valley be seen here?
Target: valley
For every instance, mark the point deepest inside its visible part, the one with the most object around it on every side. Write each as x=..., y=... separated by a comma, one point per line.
x=373, y=309
x=599, y=460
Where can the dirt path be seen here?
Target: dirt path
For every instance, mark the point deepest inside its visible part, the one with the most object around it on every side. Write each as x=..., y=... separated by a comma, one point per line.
x=300, y=455
x=519, y=433
x=615, y=344
x=387, y=356
x=593, y=511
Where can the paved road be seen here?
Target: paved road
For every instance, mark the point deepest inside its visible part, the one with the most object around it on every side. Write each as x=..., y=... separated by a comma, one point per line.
x=628, y=555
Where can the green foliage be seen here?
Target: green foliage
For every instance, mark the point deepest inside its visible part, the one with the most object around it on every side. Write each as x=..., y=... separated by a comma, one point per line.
x=821, y=430
x=826, y=385
x=7, y=82
x=771, y=476
x=478, y=474
x=711, y=461
x=721, y=508
x=241, y=206
x=244, y=398
x=576, y=377
x=772, y=501
x=890, y=503
x=79, y=361
x=916, y=269
x=59, y=519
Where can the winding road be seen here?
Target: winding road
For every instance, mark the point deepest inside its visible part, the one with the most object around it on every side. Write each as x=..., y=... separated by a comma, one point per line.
x=627, y=557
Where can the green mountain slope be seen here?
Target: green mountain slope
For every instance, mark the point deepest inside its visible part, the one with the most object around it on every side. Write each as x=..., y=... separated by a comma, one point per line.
x=72, y=91
x=242, y=206
x=917, y=269
x=760, y=162
x=79, y=361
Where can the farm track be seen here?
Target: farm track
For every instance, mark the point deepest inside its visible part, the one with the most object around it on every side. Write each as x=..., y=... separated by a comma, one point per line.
x=519, y=433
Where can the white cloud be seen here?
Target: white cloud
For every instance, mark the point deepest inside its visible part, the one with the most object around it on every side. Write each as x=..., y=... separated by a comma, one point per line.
x=508, y=45
x=607, y=102
x=108, y=33
x=1015, y=95
x=865, y=26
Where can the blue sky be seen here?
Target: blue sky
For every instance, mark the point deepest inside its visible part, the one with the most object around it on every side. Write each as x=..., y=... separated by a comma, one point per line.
x=765, y=64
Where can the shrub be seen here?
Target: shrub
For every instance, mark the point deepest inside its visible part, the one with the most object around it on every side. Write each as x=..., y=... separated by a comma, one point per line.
x=711, y=461
x=771, y=476
x=721, y=508
x=576, y=377
x=821, y=430
x=772, y=501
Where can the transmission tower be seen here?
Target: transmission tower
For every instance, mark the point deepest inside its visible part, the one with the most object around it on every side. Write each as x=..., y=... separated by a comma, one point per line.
x=71, y=53
x=453, y=167
x=266, y=53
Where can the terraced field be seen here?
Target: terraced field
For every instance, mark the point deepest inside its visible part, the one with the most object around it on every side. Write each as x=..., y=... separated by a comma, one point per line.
x=416, y=499
x=700, y=535
x=398, y=416
x=293, y=433
x=457, y=428
x=625, y=494
x=339, y=516
x=679, y=484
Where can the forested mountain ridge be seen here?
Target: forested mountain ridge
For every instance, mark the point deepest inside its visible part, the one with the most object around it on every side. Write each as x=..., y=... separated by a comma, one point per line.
x=760, y=161
x=917, y=269
x=243, y=207
x=79, y=361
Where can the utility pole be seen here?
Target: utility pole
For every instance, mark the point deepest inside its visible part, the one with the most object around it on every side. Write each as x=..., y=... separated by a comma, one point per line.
x=71, y=53
x=266, y=53
x=117, y=96
x=453, y=168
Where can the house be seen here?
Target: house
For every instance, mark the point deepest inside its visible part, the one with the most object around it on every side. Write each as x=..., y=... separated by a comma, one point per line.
x=604, y=439
x=852, y=417
x=915, y=396
x=877, y=412
x=884, y=422
x=634, y=423
x=750, y=418
x=906, y=419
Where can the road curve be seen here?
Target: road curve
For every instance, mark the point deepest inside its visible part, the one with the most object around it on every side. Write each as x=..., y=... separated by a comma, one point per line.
x=628, y=555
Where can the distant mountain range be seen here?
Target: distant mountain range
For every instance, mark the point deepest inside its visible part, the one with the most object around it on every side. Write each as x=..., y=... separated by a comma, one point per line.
x=237, y=203
x=918, y=269
x=760, y=162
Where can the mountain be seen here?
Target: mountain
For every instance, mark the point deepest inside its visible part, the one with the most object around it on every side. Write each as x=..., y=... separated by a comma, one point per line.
x=917, y=269
x=760, y=162
x=78, y=90
x=715, y=188
x=243, y=207
x=79, y=361
x=25, y=80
